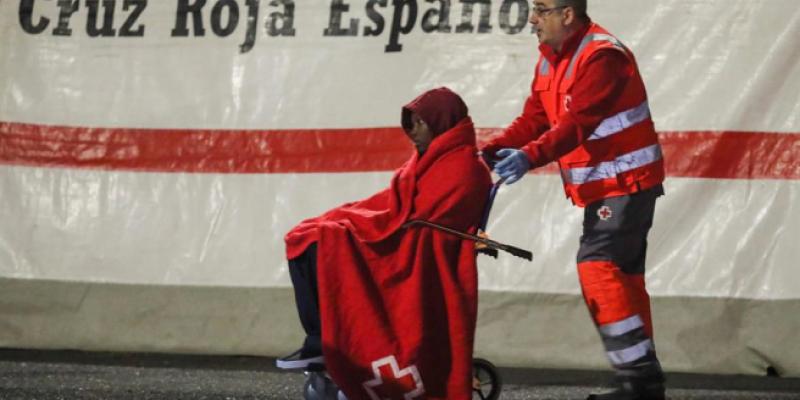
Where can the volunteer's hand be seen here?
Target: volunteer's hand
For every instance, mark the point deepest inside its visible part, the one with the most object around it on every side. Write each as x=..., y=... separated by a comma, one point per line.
x=513, y=166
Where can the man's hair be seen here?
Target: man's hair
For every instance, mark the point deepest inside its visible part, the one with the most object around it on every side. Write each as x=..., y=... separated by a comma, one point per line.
x=578, y=5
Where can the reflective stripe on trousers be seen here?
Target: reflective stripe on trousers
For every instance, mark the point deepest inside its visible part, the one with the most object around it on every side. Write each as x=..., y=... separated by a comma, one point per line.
x=626, y=342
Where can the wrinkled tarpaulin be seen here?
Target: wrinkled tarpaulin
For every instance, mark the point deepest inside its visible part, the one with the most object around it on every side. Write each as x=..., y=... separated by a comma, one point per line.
x=146, y=181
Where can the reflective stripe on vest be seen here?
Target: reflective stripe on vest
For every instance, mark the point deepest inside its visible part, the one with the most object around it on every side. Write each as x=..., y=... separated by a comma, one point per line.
x=586, y=40
x=610, y=169
x=619, y=122
x=544, y=68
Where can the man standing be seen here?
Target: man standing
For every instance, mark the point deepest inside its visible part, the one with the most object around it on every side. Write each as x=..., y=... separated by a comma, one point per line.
x=588, y=109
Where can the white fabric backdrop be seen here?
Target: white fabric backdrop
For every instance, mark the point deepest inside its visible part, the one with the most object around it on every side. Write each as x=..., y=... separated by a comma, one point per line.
x=719, y=66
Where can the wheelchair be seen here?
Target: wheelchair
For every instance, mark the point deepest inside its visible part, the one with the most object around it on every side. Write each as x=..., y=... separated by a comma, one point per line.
x=486, y=382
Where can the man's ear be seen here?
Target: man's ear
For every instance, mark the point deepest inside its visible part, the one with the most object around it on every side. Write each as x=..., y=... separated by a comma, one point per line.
x=569, y=16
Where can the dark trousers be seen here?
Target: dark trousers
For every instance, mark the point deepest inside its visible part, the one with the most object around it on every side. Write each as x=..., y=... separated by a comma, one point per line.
x=611, y=267
x=303, y=271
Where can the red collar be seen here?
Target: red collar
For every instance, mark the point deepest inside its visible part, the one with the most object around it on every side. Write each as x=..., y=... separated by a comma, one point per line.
x=570, y=45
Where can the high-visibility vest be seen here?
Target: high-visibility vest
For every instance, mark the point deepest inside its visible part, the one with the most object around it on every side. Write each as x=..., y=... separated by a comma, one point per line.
x=623, y=155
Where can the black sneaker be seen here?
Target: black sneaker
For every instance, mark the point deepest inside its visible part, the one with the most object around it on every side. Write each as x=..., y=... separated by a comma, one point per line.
x=300, y=359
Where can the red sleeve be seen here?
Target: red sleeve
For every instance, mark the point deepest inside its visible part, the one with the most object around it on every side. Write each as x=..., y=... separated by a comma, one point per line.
x=600, y=82
x=525, y=128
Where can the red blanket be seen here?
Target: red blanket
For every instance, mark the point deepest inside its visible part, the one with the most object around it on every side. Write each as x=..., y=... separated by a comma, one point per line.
x=398, y=306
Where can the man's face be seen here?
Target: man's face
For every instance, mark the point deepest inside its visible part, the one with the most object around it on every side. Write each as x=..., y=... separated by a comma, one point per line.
x=420, y=133
x=550, y=23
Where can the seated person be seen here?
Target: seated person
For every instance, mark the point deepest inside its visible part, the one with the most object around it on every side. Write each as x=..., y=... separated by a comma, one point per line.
x=391, y=311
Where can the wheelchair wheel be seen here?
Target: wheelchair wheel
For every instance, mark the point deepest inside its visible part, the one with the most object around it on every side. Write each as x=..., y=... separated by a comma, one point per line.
x=319, y=386
x=486, y=383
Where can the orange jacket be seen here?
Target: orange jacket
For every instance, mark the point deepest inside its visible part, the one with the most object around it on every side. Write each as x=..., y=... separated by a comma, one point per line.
x=600, y=156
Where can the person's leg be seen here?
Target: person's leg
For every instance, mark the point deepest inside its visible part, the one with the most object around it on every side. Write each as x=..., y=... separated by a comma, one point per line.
x=611, y=266
x=303, y=271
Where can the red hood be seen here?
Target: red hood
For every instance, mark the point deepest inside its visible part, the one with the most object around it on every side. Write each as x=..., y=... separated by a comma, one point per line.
x=440, y=108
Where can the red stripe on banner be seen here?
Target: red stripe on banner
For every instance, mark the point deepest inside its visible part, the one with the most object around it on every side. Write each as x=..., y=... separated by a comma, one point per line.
x=212, y=151
x=722, y=155
x=732, y=155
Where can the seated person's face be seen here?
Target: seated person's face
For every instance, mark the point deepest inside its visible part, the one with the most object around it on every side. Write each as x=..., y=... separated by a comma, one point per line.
x=419, y=133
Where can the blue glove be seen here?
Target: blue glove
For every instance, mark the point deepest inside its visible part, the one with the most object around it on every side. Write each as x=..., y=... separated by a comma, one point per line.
x=513, y=166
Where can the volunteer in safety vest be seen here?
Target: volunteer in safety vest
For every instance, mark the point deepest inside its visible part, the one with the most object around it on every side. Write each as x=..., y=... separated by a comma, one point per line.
x=588, y=110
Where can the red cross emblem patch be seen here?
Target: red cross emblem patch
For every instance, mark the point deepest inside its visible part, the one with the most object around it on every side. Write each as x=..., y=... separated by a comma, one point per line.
x=605, y=213
x=389, y=377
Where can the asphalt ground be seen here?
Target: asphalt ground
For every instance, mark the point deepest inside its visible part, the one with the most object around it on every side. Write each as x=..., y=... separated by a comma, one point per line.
x=52, y=375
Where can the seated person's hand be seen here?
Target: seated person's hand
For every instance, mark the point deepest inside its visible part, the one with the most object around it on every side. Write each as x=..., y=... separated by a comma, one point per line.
x=489, y=158
x=479, y=245
x=481, y=248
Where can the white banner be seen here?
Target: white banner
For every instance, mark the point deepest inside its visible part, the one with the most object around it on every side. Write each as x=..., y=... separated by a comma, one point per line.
x=175, y=142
